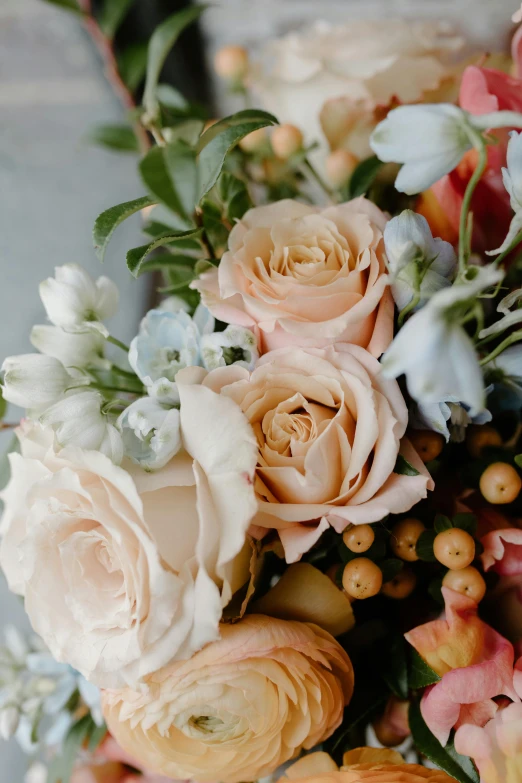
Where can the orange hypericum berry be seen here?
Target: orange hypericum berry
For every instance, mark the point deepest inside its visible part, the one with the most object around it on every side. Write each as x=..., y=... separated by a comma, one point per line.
x=401, y=586
x=359, y=538
x=454, y=548
x=340, y=165
x=467, y=581
x=362, y=578
x=254, y=141
x=426, y=443
x=286, y=141
x=479, y=438
x=231, y=62
x=404, y=537
x=500, y=483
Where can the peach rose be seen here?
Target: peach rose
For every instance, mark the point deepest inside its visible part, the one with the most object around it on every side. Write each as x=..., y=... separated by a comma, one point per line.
x=305, y=275
x=496, y=749
x=122, y=571
x=329, y=429
x=362, y=765
x=240, y=707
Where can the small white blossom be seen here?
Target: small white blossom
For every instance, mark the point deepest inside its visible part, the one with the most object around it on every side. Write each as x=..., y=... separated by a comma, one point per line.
x=151, y=433
x=34, y=381
x=37, y=773
x=72, y=297
x=434, y=352
x=84, y=349
x=236, y=345
x=174, y=304
x=9, y=720
x=78, y=420
x=509, y=317
x=417, y=261
x=448, y=417
x=512, y=178
x=429, y=139
x=165, y=392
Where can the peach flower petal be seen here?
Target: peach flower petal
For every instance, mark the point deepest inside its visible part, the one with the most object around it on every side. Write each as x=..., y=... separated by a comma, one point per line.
x=503, y=551
x=496, y=748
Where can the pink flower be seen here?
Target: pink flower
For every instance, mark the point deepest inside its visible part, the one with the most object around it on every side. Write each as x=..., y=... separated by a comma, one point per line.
x=496, y=749
x=306, y=276
x=503, y=551
x=475, y=664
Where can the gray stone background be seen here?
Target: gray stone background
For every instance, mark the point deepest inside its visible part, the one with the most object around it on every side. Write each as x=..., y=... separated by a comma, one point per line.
x=52, y=184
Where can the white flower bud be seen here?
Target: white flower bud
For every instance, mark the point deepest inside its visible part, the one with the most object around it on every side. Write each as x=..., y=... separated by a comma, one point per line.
x=34, y=381
x=72, y=350
x=72, y=297
x=151, y=433
x=78, y=420
x=236, y=345
x=9, y=720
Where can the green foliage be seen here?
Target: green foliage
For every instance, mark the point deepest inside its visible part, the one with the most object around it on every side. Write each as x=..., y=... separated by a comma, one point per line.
x=215, y=230
x=170, y=97
x=83, y=732
x=132, y=64
x=137, y=255
x=424, y=546
x=459, y=767
x=364, y=176
x=114, y=137
x=467, y=522
x=112, y=15
x=234, y=195
x=394, y=669
x=69, y=5
x=108, y=222
x=442, y=523
x=3, y=406
x=170, y=175
x=518, y=460
x=162, y=41
x=420, y=674
x=390, y=568
x=404, y=468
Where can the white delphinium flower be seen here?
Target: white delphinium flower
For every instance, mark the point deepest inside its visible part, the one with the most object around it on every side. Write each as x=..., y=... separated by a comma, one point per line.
x=430, y=140
x=506, y=368
x=433, y=350
x=150, y=432
x=512, y=178
x=35, y=381
x=75, y=301
x=419, y=264
x=167, y=342
x=79, y=419
x=448, y=417
x=85, y=349
x=236, y=345
x=509, y=317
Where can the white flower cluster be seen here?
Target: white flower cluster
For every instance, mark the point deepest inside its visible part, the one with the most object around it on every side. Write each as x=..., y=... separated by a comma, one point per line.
x=90, y=402
x=39, y=697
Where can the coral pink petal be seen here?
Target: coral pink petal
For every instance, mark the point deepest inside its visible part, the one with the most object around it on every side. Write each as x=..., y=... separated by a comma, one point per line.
x=503, y=551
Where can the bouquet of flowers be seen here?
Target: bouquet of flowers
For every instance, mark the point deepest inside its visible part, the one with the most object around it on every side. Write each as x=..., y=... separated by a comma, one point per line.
x=279, y=535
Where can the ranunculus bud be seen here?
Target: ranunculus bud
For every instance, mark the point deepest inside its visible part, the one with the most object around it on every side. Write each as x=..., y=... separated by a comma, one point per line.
x=9, y=720
x=339, y=167
x=231, y=63
x=254, y=141
x=286, y=141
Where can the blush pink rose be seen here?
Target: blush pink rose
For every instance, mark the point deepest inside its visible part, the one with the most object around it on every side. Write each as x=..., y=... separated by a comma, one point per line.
x=496, y=749
x=240, y=707
x=304, y=275
x=329, y=430
x=503, y=551
x=475, y=664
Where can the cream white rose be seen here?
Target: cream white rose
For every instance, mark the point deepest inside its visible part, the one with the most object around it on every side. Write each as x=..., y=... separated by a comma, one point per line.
x=122, y=573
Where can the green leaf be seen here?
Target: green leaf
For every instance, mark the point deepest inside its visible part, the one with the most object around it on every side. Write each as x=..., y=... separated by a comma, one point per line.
x=403, y=467
x=239, y=118
x=363, y=176
x=442, y=523
x=170, y=175
x=179, y=277
x=112, y=15
x=395, y=668
x=132, y=64
x=137, y=255
x=420, y=674
x=518, y=460
x=96, y=737
x=62, y=765
x=114, y=137
x=390, y=568
x=424, y=547
x=467, y=522
x=234, y=194
x=161, y=42
x=459, y=767
x=216, y=232
x=69, y=5
x=188, y=131
x=213, y=154
x=3, y=406
x=108, y=222
x=170, y=97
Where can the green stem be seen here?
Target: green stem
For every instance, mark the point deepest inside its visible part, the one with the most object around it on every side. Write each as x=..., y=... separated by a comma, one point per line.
x=125, y=373
x=412, y=304
x=497, y=119
x=513, y=338
x=102, y=387
x=320, y=181
x=464, y=239
x=517, y=240
x=118, y=343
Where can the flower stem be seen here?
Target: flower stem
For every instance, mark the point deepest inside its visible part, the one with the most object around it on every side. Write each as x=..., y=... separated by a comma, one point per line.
x=464, y=236
x=497, y=119
x=412, y=304
x=320, y=181
x=513, y=338
x=517, y=240
x=118, y=343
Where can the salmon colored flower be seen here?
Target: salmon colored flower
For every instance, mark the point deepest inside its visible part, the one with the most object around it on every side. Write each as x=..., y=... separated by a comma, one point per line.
x=362, y=765
x=304, y=275
x=496, y=749
x=475, y=664
x=238, y=708
x=503, y=551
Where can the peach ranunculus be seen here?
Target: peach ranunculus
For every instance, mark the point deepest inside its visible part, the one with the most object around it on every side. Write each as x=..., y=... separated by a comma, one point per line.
x=124, y=571
x=304, y=275
x=366, y=65
x=474, y=662
x=496, y=749
x=361, y=765
x=238, y=708
x=329, y=429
